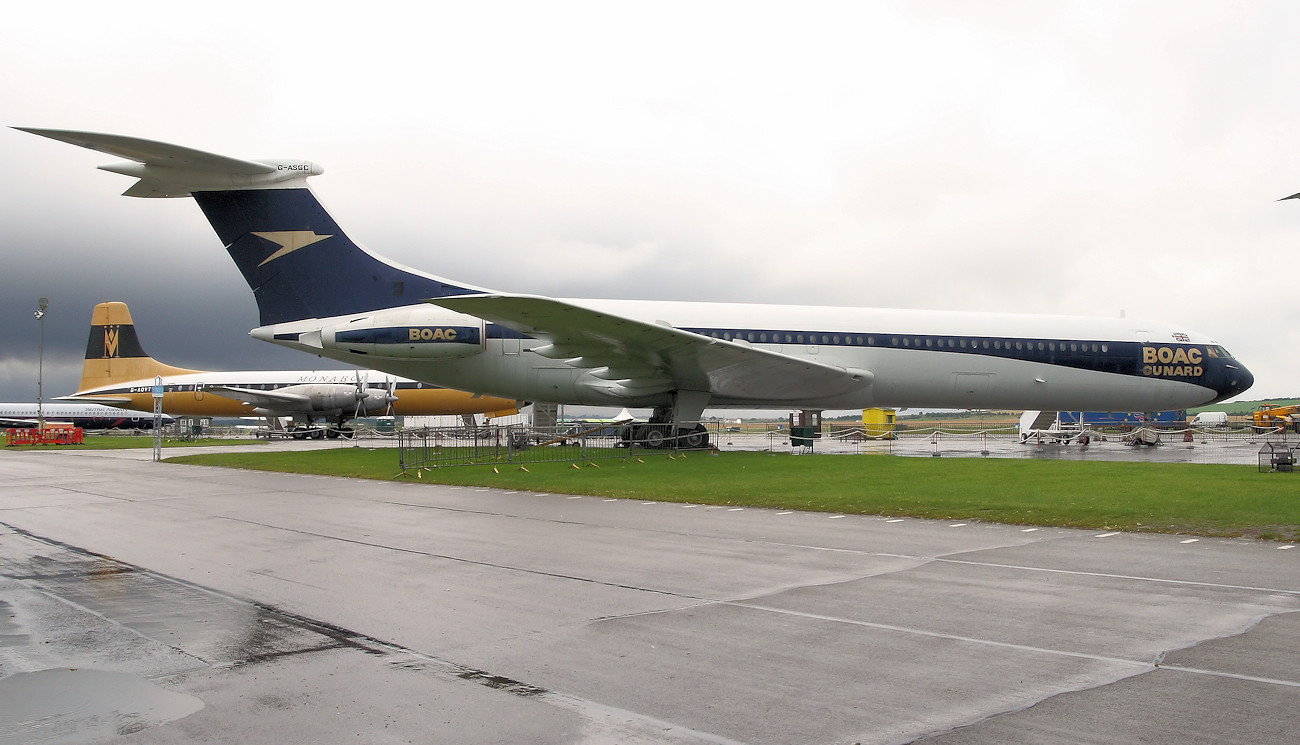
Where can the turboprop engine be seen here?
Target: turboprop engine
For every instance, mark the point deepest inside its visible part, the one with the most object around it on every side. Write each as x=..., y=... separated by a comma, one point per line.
x=375, y=400
x=330, y=398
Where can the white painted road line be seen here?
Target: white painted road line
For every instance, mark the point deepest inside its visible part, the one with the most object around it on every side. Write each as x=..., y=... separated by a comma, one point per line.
x=1105, y=535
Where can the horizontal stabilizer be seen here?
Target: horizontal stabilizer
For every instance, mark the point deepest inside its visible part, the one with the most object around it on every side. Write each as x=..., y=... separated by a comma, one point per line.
x=105, y=400
x=167, y=170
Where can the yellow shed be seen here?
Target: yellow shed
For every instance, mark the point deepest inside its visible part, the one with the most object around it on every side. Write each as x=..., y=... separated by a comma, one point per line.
x=878, y=424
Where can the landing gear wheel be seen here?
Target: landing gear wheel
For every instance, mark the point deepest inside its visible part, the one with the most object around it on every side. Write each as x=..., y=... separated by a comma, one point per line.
x=694, y=439
x=318, y=434
x=656, y=437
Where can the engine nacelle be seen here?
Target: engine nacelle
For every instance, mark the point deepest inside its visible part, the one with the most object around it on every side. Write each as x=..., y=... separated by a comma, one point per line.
x=403, y=334
x=329, y=397
x=376, y=401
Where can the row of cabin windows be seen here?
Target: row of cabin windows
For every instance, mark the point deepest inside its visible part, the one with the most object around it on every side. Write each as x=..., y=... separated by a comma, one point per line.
x=910, y=342
x=277, y=386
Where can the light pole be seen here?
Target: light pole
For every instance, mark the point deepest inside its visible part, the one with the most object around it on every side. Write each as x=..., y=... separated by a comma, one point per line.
x=40, y=367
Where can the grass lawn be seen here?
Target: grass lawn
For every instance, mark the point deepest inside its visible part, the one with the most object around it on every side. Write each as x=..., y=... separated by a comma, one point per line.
x=1214, y=500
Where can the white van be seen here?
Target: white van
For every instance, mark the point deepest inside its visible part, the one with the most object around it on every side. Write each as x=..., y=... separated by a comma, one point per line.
x=1210, y=419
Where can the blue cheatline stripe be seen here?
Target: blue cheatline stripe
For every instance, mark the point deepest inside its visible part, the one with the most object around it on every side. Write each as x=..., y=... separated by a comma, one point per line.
x=1122, y=357
x=411, y=335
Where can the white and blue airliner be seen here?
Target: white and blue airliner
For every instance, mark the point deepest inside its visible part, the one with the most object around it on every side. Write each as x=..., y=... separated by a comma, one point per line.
x=322, y=293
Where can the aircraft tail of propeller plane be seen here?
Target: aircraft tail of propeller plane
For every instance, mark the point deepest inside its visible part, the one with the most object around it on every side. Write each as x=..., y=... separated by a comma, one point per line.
x=118, y=372
x=320, y=292
x=114, y=353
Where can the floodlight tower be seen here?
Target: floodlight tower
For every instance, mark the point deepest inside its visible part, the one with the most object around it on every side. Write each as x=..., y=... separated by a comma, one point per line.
x=40, y=366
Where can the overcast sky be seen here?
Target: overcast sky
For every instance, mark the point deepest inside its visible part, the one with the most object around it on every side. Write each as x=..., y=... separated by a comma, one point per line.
x=1059, y=157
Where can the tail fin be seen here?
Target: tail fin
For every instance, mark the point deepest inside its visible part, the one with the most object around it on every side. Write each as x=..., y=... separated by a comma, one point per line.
x=295, y=258
x=114, y=354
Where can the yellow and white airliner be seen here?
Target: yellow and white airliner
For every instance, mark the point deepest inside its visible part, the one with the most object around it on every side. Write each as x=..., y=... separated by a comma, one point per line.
x=319, y=292
x=118, y=372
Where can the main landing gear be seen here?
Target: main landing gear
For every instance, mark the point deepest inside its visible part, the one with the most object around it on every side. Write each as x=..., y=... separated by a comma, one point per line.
x=660, y=433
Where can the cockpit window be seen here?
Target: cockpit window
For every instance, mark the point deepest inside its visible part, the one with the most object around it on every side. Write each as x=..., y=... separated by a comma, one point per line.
x=1215, y=350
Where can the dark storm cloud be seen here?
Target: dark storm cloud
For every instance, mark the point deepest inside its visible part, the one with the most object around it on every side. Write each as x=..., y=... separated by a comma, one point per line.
x=1069, y=157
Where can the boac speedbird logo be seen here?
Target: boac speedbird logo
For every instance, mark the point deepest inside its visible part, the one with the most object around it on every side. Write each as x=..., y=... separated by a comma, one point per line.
x=289, y=241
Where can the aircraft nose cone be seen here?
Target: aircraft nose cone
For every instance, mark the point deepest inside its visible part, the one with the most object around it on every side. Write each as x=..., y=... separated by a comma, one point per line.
x=1243, y=380
x=1232, y=379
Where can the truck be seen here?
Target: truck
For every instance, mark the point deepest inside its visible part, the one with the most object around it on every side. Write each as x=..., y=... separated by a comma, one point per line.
x=1210, y=419
x=1269, y=417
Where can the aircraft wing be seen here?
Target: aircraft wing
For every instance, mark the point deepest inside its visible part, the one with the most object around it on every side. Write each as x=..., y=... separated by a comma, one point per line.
x=263, y=399
x=637, y=357
x=17, y=423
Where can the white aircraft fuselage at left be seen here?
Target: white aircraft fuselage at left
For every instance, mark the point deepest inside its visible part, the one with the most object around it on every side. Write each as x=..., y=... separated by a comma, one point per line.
x=319, y=292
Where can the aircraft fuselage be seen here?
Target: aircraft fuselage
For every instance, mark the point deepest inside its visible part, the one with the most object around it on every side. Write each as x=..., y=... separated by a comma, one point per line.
x=915, y=358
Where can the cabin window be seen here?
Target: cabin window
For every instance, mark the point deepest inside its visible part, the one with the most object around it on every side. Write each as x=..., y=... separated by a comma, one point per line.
x=907, y=342
x=1103, y=347
x=749, y=336
x=997, y=344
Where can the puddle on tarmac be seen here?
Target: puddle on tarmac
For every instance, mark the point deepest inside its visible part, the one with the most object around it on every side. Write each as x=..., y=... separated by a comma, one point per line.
x=70, y=707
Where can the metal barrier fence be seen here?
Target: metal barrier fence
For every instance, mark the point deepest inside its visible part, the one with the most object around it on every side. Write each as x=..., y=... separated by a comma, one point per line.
x=439, y=447
x=518, y=445
x=1221, y=445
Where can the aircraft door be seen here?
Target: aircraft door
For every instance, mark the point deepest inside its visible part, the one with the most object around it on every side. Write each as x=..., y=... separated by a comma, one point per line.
x=198, y=391
x=969, y=386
